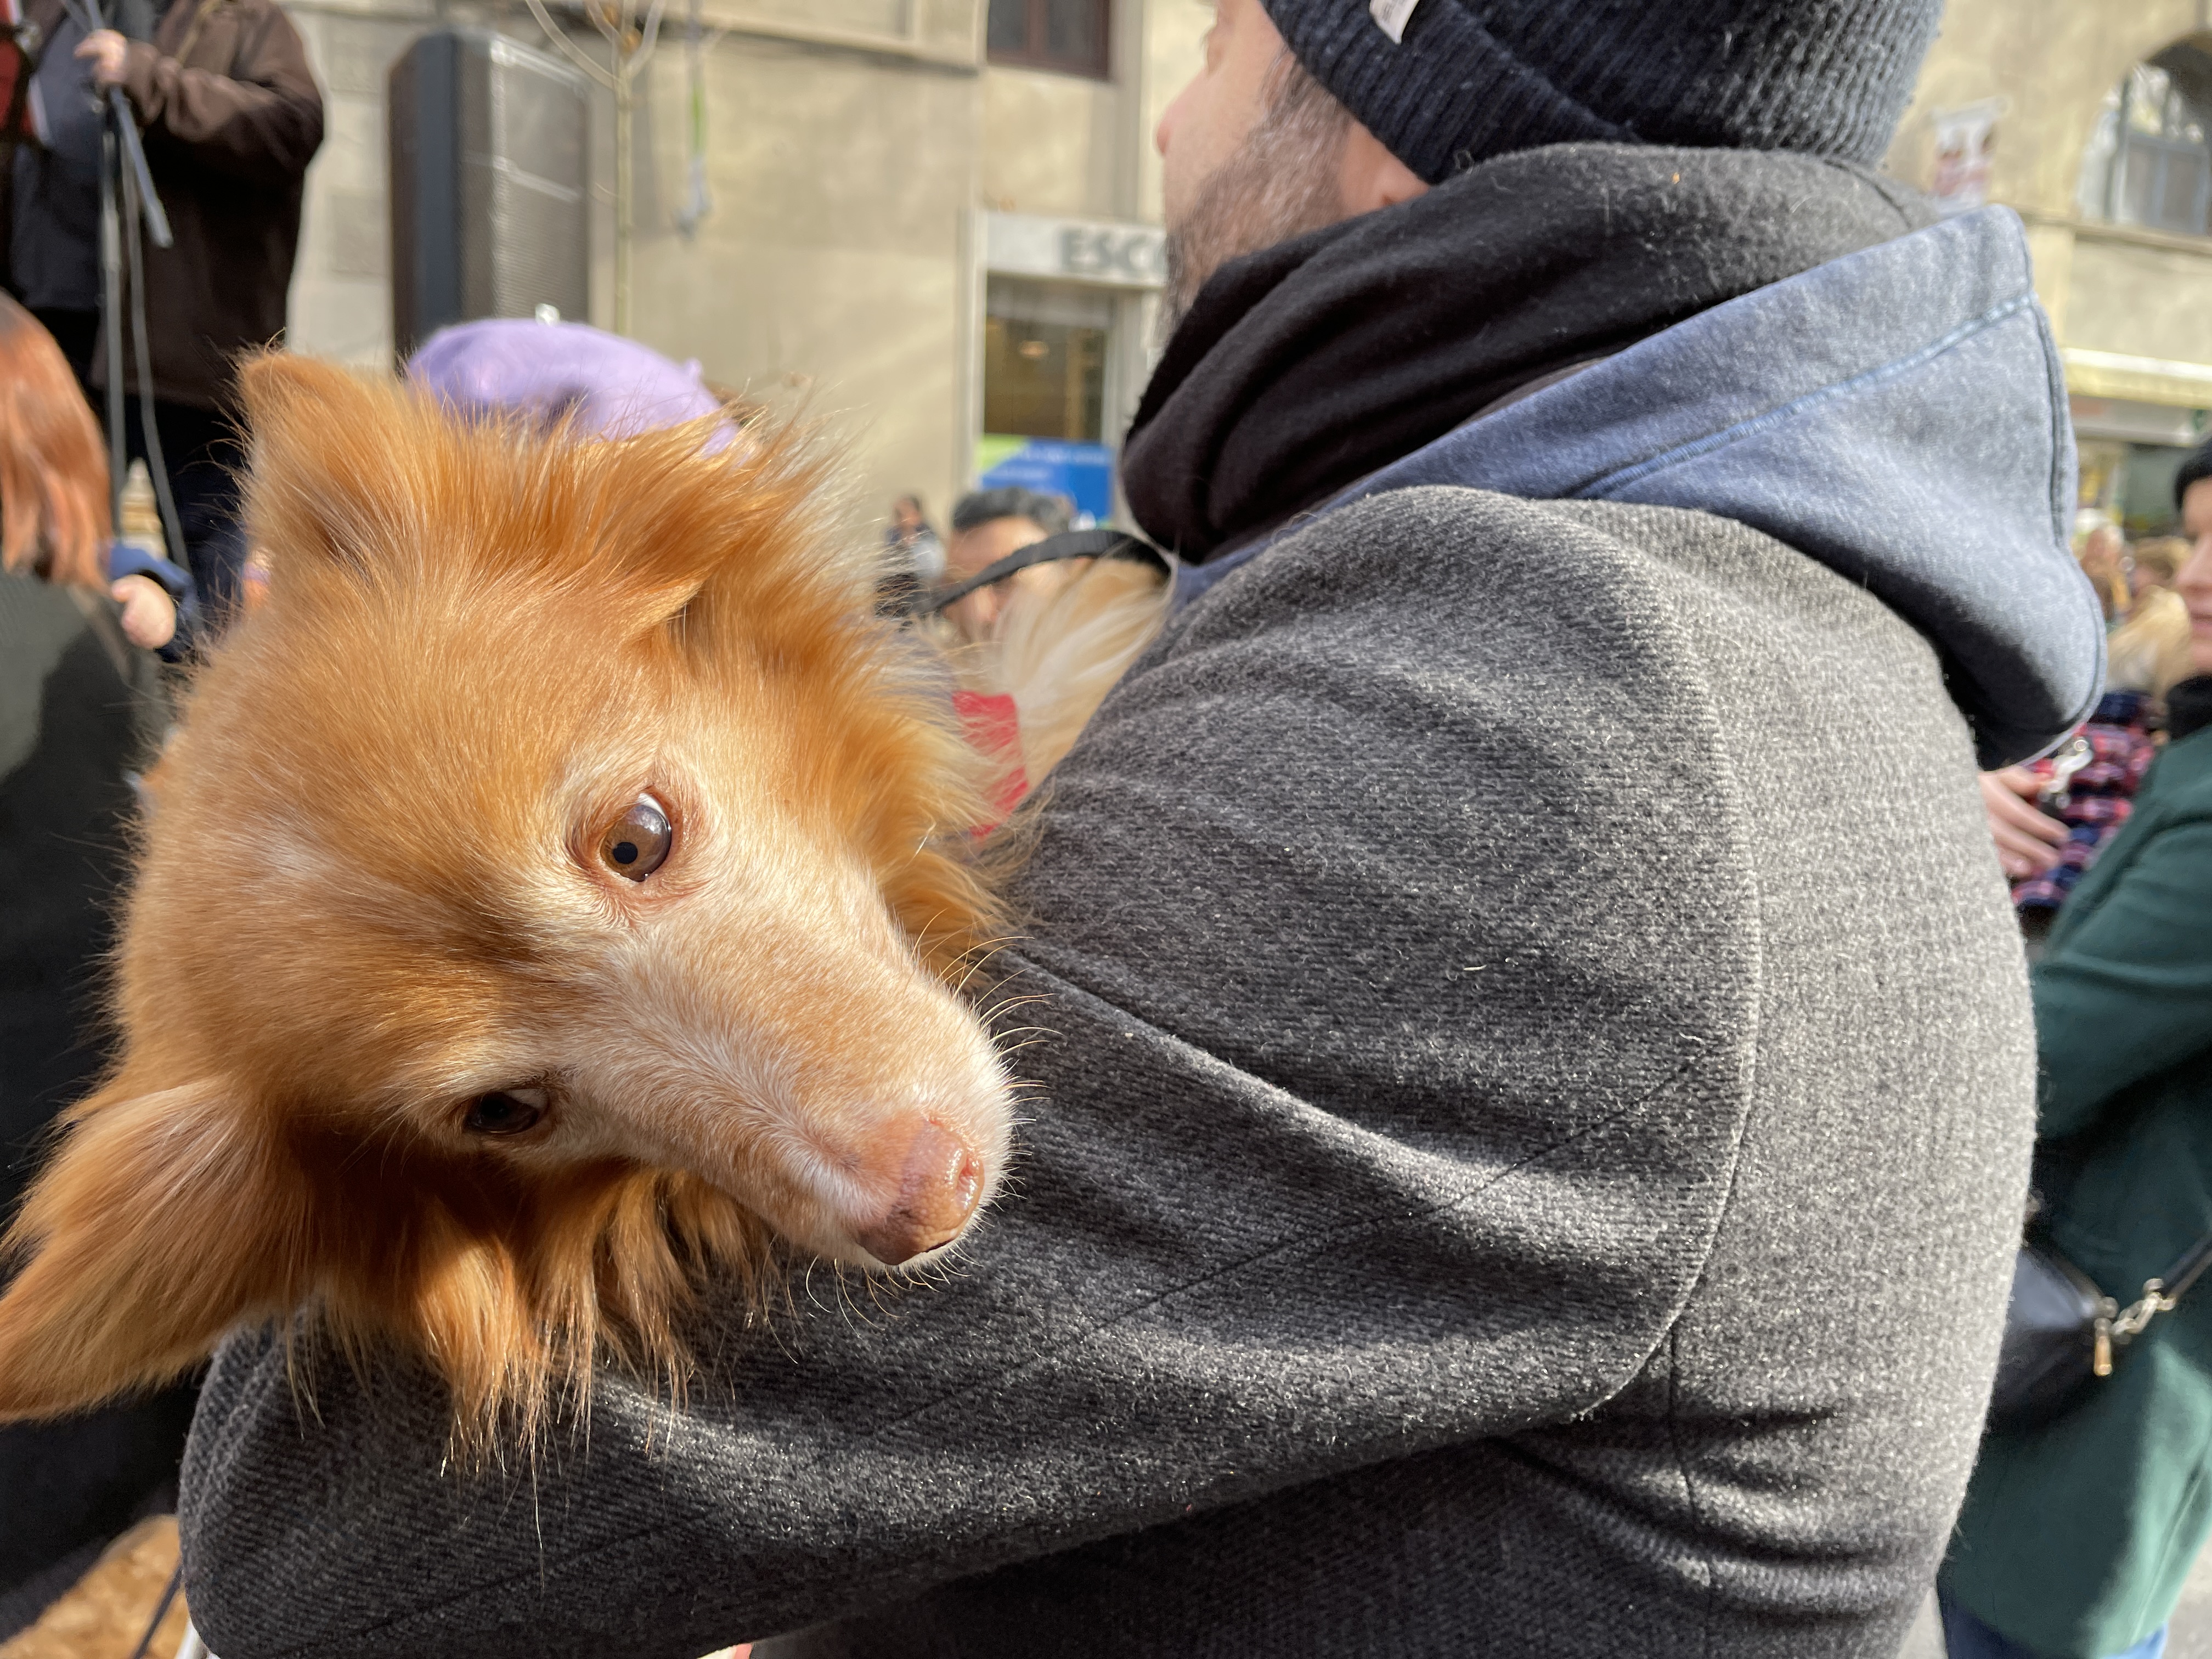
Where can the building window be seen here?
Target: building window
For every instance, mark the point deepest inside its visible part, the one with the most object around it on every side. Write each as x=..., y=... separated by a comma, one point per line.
x=1045, y=350
x=2149, y=162
x=1069, y=35
x=1044, y=360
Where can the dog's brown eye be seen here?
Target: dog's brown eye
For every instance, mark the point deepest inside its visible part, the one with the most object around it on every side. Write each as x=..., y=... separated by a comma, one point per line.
x=506, y=1111
x=638, y=843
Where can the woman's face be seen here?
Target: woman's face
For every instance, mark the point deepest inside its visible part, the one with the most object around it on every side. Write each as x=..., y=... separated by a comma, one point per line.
x=2194, y=580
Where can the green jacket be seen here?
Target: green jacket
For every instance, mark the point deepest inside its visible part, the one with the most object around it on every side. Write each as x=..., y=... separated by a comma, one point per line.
x=2075, y=1537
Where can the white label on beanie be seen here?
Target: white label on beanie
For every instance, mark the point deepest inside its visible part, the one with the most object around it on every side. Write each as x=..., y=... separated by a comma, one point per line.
x=1392, y=16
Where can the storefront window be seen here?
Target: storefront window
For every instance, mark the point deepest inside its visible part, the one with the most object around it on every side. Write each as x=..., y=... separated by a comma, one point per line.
x=2129, y=453
x=1045, y=347
x=2149, y=162
x=1044, y=360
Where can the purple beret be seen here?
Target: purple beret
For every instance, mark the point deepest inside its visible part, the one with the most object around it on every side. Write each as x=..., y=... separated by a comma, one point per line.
x=613, y=387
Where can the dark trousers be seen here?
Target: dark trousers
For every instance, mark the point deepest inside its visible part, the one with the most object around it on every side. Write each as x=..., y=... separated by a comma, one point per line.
x=201, y=451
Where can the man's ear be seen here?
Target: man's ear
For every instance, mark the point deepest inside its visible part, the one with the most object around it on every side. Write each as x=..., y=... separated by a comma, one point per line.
x=1370, y=177
x=161, y=1222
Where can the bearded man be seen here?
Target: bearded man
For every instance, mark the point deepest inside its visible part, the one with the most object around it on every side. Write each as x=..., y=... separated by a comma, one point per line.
x=1537, y=1107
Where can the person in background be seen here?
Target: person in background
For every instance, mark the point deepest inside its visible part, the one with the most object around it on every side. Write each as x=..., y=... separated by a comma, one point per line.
x=80, y=710
x=914, y=558
x=2149, y=650
x=2045, y=852
x=602, y=384
x=50, y=251
x=231, y=116
x=2156, y=562
x=911, y=533
x=2077, y=1535
x=2090, y=804
x=987, y=525
x=2029, y=840
x=45, y=516
x=2102, y=551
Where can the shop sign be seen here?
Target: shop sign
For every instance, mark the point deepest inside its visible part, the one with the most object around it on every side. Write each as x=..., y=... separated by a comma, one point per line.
x=2135, y=423
x=1082, y=472
x=1117, y=255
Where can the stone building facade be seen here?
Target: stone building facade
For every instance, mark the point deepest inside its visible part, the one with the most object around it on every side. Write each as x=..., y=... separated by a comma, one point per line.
x=942, y=238
x=2093, y=119
x=935, y=237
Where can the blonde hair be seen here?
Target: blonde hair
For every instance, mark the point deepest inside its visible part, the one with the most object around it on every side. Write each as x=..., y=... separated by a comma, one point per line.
x=1057, y=648
x=54, y=520
x=2150, y=651
x=2162, y=554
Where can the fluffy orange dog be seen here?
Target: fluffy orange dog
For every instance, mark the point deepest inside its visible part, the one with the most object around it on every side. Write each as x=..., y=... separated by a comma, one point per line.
x=557, y=887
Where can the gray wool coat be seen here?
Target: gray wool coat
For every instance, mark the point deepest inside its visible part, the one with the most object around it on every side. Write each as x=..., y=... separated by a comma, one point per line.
x=1534, y=1120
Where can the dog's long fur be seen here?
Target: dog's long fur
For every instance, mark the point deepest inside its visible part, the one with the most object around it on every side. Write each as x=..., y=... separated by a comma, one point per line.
x=1058, y=658
x=369, y=895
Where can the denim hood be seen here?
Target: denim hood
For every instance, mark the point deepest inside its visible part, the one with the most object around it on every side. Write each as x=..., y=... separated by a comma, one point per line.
x=1897, y=414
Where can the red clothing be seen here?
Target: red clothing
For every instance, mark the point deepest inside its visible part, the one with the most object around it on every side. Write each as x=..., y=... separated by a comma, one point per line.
x=994, y=726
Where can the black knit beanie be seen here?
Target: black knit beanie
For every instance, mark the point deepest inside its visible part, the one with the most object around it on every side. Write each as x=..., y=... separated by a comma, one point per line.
x=2196, y=468
x=1470, y=79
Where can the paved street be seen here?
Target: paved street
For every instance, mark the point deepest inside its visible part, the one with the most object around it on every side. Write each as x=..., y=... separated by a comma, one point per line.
x=2193, y=1623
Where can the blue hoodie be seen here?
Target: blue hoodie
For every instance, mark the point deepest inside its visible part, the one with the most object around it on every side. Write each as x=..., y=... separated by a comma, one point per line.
x=1897, y=414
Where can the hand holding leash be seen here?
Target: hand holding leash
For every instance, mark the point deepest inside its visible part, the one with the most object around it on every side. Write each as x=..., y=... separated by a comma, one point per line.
x=106, y=49
x=108, y=52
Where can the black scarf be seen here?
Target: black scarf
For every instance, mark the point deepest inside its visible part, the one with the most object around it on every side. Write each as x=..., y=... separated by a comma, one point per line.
x=1306, y=366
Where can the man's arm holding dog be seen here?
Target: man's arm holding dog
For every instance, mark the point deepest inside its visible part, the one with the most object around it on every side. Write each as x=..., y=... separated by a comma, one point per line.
x=1389, y=1102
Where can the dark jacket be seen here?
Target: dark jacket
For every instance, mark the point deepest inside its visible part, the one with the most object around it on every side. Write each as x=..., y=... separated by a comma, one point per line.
x=1538, y=1084
x=52, y=248
x=77, y=713
x=2076, y=1537
x=231, y=116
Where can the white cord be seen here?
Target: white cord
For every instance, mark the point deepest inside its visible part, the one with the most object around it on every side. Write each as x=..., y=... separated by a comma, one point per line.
x=559, y=38
x=192, y=1647
x=650, y=38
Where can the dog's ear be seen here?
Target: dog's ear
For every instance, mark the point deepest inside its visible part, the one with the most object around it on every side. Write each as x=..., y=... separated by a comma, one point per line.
x=162, y=1221
x=701, y=517
x=330, y=462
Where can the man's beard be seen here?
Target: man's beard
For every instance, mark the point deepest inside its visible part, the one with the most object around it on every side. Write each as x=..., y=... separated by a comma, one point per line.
x=1282, y=181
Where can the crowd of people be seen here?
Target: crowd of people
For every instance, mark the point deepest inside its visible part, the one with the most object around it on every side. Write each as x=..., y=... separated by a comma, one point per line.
x=987, y=525
x=1513, y=1171
x=2078, y=1534
x=2051, y=819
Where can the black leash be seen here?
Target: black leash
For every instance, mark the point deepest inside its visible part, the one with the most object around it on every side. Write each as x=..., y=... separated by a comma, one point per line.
x=145, y=1642
x=134, y=152
x=127, y=202
x=2184, y=1273
x=1068, y=545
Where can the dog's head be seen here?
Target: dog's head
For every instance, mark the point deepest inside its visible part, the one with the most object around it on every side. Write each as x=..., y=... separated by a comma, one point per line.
x=553, y=886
